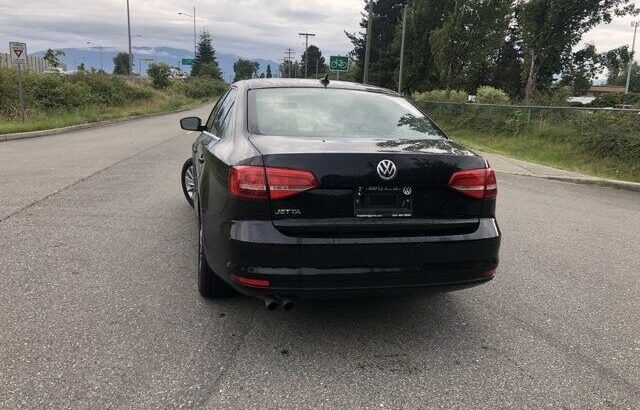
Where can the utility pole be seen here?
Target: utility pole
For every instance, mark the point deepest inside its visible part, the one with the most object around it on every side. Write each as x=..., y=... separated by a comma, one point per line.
x=365, y=75
x=635, y=25
x=129, y=31
x=306, y=50
x=317, y=67
x=404, y=30
x=289, y=52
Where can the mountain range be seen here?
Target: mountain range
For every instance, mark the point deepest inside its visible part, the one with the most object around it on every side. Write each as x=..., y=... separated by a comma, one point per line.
x=143, y=56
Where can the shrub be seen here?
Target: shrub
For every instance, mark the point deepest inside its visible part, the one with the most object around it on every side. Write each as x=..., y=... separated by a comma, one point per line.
x=554, y=97
x=159, y=74
x=612, y=100
x=455, y=96
x=202, y=87
x=490, y=95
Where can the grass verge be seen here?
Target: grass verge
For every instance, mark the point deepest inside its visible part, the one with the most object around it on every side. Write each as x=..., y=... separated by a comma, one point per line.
x=563, y=153
x=44, y=121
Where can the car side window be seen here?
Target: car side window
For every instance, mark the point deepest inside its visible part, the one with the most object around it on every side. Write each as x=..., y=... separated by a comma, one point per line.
x=216, y=108
x=219, y=123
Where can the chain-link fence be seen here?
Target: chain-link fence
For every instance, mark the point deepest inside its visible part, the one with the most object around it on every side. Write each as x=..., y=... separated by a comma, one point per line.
x=609, y=132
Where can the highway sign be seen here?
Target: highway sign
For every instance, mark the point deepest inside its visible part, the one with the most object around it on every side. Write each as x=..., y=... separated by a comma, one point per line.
x=18, y=53
x=339, y=63
x=187, y=61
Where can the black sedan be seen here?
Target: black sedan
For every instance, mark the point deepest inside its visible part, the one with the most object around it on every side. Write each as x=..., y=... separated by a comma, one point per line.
x=307, y=188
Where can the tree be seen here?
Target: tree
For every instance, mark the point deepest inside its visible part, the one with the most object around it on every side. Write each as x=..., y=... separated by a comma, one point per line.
x=580, y=69
x=289, y=69
x=551, y=28
x=245, y=69
x=473, y=31
x=616, y=62
x=315, y=59
x=269, y=75
x=507, y=68
x=423, y=18
x=205, y=63
x=159, y=74
x=385, y=56
x=53, y=57
x=121, y=64
x=81, y=67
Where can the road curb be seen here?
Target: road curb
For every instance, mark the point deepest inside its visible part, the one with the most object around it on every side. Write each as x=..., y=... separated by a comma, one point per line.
x=611, y=183
x=86, y=126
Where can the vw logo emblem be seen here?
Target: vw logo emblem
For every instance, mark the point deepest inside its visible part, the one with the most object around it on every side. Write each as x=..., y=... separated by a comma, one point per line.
x=387, y=170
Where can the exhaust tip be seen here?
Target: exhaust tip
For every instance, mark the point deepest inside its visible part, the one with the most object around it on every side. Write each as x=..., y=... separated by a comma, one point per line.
x=288, y=304
x=271, y=303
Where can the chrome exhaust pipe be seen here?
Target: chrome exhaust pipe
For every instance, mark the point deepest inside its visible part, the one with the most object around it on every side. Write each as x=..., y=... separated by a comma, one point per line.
x=271, y=303
x=288, y=304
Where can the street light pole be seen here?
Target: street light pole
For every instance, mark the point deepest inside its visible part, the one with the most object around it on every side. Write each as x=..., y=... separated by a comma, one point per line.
x=306, y=51
x=195, y=41
x=195, y=36
x=129, y=33
x=404, y=29
x=365, y=75
x=100, y=48
x=635, y=25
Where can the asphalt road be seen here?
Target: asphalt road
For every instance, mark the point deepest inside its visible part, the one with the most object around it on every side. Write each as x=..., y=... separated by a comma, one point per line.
x=99, y=308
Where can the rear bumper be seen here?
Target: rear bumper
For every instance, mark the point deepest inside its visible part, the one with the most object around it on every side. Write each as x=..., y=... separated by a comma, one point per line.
x=327, y=267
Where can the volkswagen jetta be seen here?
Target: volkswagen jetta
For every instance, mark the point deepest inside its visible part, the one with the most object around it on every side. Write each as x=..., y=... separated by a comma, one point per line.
x=307, y=188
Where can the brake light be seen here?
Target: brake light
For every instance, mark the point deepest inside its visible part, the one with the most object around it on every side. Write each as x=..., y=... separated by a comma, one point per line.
x=476, y=183
x=258, y=283
x=251, y=182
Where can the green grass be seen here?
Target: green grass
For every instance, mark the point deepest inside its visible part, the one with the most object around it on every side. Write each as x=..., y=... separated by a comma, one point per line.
x=44, y=121
x=563, y=153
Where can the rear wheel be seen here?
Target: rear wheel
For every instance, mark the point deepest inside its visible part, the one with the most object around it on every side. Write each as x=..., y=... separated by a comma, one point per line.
x=188, y=180
x=209, y=284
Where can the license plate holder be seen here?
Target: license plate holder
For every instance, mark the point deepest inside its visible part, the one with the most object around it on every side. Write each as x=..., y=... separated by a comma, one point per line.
x=382, y=202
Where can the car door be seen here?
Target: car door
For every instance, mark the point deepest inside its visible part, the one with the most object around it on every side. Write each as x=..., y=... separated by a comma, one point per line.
x=212, y=170
x=206, y=136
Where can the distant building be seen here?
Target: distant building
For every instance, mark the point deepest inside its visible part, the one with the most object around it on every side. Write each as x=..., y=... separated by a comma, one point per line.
x=598, y=90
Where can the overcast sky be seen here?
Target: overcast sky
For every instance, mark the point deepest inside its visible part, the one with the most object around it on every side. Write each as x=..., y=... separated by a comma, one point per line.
x=250, y=28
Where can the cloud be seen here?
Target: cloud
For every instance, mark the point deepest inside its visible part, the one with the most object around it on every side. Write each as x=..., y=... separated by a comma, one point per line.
x=252, y=28
x=255, y=28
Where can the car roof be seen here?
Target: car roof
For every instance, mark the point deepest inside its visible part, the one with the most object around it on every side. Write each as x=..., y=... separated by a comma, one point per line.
x=263, y=83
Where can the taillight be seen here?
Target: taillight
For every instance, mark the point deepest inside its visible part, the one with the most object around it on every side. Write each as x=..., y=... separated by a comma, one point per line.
x=251, y=182
x=476, y=183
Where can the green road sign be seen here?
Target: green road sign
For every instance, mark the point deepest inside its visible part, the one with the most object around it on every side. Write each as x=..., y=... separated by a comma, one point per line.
x=339, y=63
x=187, y=61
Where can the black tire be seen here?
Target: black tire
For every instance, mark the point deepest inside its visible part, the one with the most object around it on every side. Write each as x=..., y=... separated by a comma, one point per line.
x=188, y=165
x=210, y=285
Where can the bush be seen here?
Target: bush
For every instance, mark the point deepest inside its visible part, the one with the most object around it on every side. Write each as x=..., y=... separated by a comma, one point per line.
x=490, y=95
x=202, y=87
x=554, y=97
x=455, y=96
x=54, y=93
x=159, y=74
x=612, y=100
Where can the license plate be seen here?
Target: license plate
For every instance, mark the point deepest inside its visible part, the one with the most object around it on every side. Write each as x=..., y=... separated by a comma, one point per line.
x=380, y=202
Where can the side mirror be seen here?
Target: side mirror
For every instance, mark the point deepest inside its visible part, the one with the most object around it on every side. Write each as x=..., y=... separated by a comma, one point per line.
x=191, y=124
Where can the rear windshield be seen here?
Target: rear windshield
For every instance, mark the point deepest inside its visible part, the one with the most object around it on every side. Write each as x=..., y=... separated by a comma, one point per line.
x=336, y=113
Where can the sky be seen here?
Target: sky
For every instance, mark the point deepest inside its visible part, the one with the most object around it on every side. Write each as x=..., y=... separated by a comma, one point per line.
x=250, y=28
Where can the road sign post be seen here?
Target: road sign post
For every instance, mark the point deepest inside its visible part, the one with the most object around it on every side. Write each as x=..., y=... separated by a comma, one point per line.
x=339, y=64
x=18, y=56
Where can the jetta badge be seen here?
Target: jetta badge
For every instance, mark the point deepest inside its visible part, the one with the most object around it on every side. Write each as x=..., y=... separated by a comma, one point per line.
x=387, y=170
